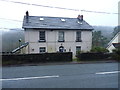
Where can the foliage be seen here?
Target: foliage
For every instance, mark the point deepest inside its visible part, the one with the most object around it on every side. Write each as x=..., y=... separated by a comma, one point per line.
x=116, y=30
x=98, y=39
x=99, y=50
x=75, y=59
x=79, y=52
x=116, y=54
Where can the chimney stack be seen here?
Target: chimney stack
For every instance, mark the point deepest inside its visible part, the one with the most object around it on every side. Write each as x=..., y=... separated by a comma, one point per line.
x=80, y=17
x=27, y=16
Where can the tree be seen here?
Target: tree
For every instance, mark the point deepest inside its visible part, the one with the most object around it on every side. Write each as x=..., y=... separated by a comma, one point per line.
x=98, y=39
x=99, y=50
x=116, y=30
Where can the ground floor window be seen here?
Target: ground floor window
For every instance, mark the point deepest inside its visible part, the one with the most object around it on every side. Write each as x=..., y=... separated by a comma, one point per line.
x=42, y=49
x=78, y=49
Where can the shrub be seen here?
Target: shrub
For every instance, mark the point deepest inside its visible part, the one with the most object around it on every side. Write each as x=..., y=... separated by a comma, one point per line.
x=93, y=56
x=116, y=54
x=99, y=50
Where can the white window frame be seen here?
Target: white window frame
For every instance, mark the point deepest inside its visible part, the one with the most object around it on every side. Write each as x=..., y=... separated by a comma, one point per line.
x=61, y=35
x=42, y=36
x=78, y=49
x=78, y=36
x=42, y=49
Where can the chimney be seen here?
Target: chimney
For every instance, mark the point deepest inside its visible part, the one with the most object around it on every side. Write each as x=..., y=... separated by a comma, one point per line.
x=80, y=17
x=27, y=16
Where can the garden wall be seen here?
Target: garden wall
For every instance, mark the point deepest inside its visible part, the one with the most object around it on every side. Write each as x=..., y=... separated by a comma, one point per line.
x=12, y=59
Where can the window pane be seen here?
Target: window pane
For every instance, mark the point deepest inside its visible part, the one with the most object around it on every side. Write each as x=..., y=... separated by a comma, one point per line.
x=78, y=36
x=61, y=36
x=42, y=49
x=78, y=49
x=42, y=35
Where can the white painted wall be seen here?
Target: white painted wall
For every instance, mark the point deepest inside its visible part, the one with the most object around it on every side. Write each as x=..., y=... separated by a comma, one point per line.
x=52, y=44
x=111, y=47
x=116, y=39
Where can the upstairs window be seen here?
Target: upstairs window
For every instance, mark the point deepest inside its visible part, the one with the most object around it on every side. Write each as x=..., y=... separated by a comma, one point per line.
x=61, y=36
x=42, y=36
x=78, y=36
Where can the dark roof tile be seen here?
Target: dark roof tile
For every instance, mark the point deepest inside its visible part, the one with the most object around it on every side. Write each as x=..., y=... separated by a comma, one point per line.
x=55, y=23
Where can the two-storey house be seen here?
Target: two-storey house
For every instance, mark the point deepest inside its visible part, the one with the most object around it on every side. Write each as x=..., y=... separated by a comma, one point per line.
x=57, y=34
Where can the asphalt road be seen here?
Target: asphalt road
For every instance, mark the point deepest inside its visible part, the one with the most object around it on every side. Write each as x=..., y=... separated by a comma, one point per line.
x=97, y=75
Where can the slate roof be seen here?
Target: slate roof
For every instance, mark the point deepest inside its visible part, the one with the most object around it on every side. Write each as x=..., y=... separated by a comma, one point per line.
x=34, y=22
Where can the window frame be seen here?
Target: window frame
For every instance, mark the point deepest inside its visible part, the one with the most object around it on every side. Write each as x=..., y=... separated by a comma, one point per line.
x=61, y=36
x=78, y=36
x=42, y=36
x=77, y=51
x=42, y=49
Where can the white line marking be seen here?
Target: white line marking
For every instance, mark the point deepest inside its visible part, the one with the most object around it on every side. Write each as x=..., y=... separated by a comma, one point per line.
x=108, y=72
x=26, y=78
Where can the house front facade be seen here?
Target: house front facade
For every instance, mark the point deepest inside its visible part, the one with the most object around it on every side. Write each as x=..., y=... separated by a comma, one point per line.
x=57, y=34
x=115, y=42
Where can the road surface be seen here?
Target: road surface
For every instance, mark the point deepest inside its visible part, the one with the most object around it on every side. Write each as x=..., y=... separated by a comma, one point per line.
x=97, y=75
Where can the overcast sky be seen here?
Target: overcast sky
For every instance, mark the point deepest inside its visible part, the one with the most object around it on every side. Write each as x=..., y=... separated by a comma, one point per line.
x=15, y=11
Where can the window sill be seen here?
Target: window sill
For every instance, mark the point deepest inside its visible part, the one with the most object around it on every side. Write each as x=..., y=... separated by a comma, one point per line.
x=41, y=40
x=61, y=41
x=78, y=40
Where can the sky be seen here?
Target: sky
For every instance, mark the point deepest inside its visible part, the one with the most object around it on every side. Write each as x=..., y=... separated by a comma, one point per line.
x=11, y=14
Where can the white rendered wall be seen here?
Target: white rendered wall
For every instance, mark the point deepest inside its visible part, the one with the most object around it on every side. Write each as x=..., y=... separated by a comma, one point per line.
x=52, y=44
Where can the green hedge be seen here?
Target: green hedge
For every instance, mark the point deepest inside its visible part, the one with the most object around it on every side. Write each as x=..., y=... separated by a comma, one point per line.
x=116, y=54
x=93, y=56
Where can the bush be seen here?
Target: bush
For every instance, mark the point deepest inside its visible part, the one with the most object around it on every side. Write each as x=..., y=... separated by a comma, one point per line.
x=96, y=53
x=93, y=56
x=99, y=50
x=116, y=54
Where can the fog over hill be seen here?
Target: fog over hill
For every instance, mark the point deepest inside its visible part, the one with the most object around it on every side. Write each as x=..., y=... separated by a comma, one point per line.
x=10, y=38
x=107, y=31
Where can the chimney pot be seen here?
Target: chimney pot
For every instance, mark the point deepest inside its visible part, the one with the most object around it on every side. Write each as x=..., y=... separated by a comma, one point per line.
x=80, y=17
x=27, y=15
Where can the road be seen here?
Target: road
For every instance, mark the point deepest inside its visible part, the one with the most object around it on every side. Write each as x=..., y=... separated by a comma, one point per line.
x=97, y=75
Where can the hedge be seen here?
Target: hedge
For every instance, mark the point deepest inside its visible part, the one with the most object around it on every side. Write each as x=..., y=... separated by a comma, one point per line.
x=93, y=56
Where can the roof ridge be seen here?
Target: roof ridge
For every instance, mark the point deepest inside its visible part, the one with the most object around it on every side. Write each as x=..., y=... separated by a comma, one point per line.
x=53, y=17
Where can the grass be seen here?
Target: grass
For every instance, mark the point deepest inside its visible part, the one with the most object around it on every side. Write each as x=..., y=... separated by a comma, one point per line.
x=75, y=60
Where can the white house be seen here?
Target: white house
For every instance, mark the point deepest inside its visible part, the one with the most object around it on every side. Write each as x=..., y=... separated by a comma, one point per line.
x=114, y=42
x=57, y=34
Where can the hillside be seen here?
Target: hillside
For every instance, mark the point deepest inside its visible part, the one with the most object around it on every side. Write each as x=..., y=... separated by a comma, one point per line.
x=10, y=39
x=107, y=31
